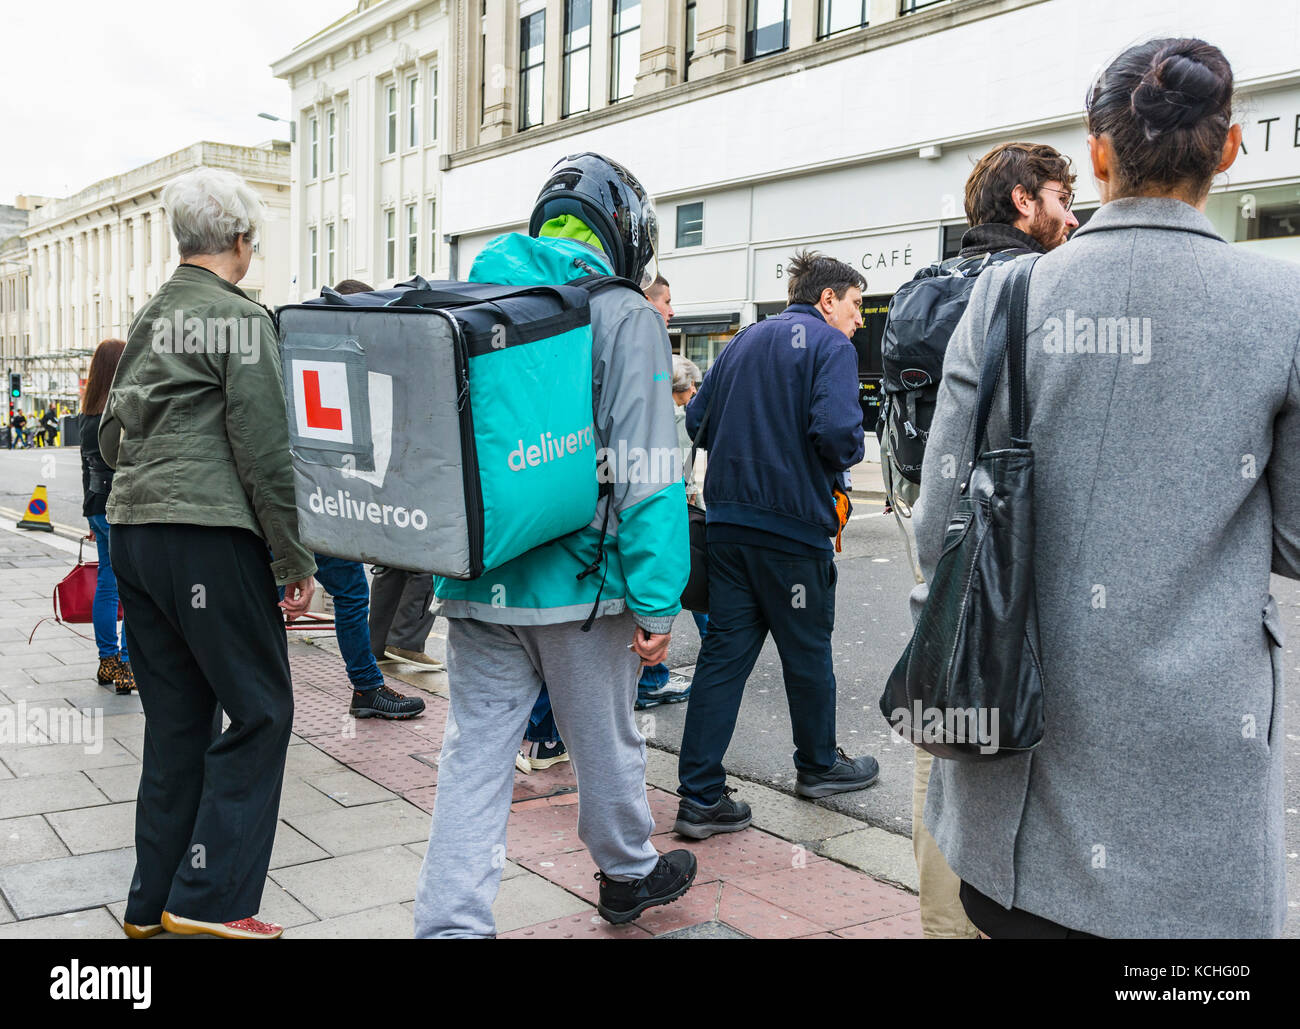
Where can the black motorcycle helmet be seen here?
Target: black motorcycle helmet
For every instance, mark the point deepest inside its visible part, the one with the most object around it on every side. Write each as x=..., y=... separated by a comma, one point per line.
x=612, y=203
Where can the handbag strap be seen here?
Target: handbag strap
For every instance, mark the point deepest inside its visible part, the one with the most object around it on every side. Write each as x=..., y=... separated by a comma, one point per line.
x=1007, y=338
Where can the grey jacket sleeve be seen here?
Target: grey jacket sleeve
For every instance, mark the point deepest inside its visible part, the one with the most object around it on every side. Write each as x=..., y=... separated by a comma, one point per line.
x=634, y=419
x=1284, y=478
x=950, y=448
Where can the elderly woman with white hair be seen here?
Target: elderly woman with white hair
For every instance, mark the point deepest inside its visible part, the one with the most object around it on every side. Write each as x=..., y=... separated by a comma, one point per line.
x=202, y=499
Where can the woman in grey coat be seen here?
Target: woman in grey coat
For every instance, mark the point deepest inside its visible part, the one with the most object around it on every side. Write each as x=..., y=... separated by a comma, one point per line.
x=1164, y=397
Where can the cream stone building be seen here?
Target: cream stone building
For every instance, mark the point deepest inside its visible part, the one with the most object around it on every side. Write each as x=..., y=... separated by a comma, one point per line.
x=760, y=127
x=96, y=257
x=371, y=125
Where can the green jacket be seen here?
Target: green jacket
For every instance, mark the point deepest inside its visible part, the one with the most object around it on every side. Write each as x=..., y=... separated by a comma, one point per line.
x=195, y=422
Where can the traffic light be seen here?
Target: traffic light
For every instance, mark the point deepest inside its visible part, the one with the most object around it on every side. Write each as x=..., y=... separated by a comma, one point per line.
x=15, y=385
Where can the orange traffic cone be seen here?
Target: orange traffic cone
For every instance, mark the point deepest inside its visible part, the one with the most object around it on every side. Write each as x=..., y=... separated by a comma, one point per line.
x=37, y=515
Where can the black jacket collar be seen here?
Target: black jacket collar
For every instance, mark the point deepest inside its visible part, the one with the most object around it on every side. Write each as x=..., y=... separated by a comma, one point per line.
x=994, y=236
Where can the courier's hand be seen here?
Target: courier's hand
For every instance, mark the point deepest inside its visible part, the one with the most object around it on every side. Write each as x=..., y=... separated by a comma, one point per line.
x=650, y=647
x=297, y=596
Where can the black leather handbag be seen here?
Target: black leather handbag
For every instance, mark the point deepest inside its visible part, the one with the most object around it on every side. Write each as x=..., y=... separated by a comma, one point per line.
x=969, y=685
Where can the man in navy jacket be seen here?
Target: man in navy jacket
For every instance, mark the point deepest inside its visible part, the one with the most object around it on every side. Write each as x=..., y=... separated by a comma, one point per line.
x=779, y=416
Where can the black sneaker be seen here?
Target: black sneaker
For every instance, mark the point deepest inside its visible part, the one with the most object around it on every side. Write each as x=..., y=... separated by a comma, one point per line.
x=845, y=776
x=384, y=702
x=699, y=822
x=671, y=877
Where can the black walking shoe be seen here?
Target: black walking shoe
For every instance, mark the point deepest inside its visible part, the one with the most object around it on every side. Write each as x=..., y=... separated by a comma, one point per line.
x=698, y=822
x=671, y=877
x=384, y=702
x=845, y=776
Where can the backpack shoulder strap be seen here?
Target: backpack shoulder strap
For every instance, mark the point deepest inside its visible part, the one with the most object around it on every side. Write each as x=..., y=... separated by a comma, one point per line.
x=596, y=282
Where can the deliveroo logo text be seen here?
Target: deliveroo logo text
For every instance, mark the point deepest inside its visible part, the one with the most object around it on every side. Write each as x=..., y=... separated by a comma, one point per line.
x=548, y=448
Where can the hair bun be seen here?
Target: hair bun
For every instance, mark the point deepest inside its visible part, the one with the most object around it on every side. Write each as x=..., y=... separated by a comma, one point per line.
x=1178, y=90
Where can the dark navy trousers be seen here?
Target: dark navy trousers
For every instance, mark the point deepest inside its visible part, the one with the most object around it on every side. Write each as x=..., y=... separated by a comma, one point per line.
x=753, y=591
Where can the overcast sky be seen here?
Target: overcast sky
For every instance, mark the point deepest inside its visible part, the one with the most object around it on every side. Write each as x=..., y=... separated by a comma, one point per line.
x=92, y=89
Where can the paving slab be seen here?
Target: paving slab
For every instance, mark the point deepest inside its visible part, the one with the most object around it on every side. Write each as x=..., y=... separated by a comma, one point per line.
x=828, y=895
x=527, y=899
x=342, y=885
x=36, y=658
x=350, y=789
x=5, y=914
x=882, y=855
x=793, y=818
x=59, y=671
x=117, y=782
x=308, y=760
x=299, y=798
x=705, y=931
x=52, y=759
x=92, y=924
x=585, y=926
x=758, y=917
x=27, y=839
x=104, y=827
x=68, y=884
x=350, y=830
x=282, y=909
x=293, y=848
x=85, y=691
x=42, y=793
x=391, y=921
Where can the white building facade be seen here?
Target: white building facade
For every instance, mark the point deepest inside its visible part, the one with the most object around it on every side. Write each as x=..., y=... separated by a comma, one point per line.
x=96, y=257
x=370, y=123
x=762, y=126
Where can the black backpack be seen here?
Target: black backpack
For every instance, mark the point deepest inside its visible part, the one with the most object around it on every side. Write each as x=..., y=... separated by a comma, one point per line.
x=922, y=317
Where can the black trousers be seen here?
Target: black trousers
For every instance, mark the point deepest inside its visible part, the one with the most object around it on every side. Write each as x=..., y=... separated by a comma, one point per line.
x=204, y=634
x=399, y=610
x=754, y=591
x=997, y=923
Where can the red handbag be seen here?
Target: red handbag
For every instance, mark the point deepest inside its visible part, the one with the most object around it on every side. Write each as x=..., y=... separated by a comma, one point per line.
x=74, y=596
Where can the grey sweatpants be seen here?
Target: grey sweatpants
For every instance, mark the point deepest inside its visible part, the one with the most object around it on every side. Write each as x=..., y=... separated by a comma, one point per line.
x=496, y=672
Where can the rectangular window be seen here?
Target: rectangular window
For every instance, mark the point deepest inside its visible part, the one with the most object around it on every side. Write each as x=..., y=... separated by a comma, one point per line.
x=314, y=131
x=912, y=6
x=690, y=40
x=345, y=138
x=625, y=49
x=329, y=254
x=311, y=247
x=347, y=248
x=690, y=224
x=767, y=28
x=433, y=105
x=841, y=16
x=331, y=126
x=390, y=243
x=412, y=111
x=532, y=64
x=433, y=236
x=577, y=56
x=391, y=93
x=412, y=239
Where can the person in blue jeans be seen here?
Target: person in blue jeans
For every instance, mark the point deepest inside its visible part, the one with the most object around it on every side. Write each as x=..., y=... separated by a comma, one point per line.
x=345, y=581
x=542, y=744
x=96, y=482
